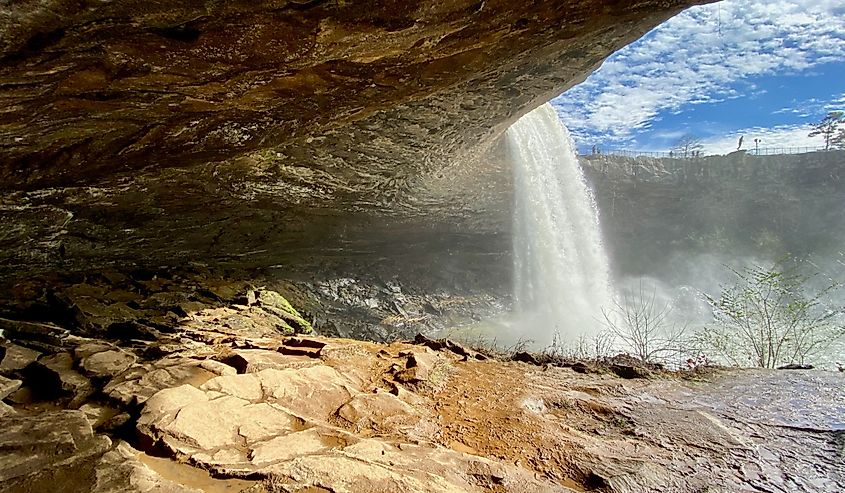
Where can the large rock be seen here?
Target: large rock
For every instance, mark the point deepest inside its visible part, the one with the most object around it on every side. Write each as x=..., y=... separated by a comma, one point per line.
x=213, y=423
x=6, y=409
x=138, y=384
x=189, y=421
x=54, y=376
x=17, y=358
x=106, y=362
x=42, y=335
x=49, y=451
x=423, y=365
x=7, y=386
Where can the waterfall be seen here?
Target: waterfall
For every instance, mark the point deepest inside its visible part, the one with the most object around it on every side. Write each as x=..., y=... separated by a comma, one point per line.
x=561, y=273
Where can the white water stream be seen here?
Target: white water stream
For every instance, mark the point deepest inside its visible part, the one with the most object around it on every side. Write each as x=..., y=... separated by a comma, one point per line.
x=562, y=278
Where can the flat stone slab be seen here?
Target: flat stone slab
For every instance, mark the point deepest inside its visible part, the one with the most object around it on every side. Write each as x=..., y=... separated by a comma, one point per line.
x=108, y=363
x=255, y=360
x=17, y=358
x=33, y=446
x=7, y=386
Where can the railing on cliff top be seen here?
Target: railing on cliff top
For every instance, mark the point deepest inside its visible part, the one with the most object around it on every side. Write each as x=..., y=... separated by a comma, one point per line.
x=762, y=151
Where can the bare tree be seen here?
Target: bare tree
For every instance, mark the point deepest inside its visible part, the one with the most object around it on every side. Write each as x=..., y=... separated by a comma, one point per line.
x=838, y=140
x=828, y=128
x=584, y=348
x=771, y=317
x=688, y=146
x=643, y=326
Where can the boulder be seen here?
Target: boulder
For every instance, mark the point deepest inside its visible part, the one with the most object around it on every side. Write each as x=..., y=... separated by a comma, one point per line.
x=36, y=334
x=23, y=395
x=221, y=324
x=86, y=347
x=17, y=358
x=419, y=366
x=108, y=363
x=218, y=368
x=92, y=309
x=6, y=409
x=98, y=415
x=380, y=411
x=316, y=392
x=7, y=386
x=115, y=422
x=276, y=304
x=446, y=344
x=192, y=422
x=54, y=377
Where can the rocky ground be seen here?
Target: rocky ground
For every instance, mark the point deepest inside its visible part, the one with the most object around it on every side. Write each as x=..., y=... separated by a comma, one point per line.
x=231, y=395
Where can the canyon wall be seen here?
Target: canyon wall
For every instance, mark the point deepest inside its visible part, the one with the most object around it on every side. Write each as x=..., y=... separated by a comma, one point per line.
x=654, y=211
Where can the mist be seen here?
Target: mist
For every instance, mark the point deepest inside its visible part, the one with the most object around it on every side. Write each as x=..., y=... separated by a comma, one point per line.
x=677, y=229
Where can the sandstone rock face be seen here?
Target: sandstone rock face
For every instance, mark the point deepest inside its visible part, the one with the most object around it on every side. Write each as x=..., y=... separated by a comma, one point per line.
x=124, y=122
x=311, y=427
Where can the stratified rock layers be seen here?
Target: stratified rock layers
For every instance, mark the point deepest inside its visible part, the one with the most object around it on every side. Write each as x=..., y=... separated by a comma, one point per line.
x=137, y=134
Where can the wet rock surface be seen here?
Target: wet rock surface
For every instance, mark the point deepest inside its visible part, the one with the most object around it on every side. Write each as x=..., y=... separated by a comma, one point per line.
x=246, y=407
x=48, y=449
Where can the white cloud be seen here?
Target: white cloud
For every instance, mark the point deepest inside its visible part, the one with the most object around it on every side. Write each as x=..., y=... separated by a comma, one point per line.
x=785, y=138
x=837, y=104
x=699, y=57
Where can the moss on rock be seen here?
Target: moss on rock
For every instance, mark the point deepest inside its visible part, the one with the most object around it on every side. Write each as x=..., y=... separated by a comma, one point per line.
x=276, y=304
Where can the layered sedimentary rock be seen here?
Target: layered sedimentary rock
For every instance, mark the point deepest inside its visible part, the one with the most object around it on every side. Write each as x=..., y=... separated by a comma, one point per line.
x=241, y=134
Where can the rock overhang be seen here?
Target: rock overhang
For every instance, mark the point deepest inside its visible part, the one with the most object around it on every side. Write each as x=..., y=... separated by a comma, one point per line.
x=260, y=131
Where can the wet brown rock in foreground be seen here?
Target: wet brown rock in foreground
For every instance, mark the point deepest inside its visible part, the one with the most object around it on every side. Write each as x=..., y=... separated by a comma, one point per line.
x=276, y=413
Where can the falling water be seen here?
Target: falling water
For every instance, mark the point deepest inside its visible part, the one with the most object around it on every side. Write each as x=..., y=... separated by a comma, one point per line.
x=562, y=279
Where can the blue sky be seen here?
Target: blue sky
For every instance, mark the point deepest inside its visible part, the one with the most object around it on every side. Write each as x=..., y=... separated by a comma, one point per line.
x=764, y=70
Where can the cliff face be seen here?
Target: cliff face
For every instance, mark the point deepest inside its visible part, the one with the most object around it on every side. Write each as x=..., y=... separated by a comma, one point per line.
x=241, y=134
x=728, y=207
